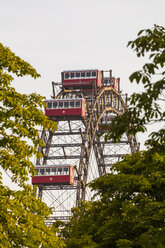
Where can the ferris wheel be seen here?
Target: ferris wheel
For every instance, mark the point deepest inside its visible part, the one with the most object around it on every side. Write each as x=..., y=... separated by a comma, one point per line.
x=83, y=105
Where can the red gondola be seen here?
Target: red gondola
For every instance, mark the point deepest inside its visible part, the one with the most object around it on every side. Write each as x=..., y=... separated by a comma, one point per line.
x=114, y=82
x=47, y=174
x=63, y=109
x=86, y=79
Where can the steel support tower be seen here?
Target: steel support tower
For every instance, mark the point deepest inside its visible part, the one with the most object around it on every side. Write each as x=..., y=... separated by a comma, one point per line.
x=76, y=142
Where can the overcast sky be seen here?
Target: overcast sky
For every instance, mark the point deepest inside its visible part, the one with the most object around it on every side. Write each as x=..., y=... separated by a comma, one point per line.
x=56, y=35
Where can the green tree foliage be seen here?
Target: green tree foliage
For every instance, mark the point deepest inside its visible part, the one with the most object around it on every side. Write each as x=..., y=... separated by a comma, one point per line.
x=146, y=106
x=21, y=213
x=131, y=209
x=130, y=212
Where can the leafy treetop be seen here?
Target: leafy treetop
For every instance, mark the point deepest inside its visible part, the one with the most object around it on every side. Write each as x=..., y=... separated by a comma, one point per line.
x=12, y=63
x=145, y=108
x=22, y=215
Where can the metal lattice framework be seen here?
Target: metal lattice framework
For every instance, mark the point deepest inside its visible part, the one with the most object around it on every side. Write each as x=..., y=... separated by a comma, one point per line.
x=76, y=142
